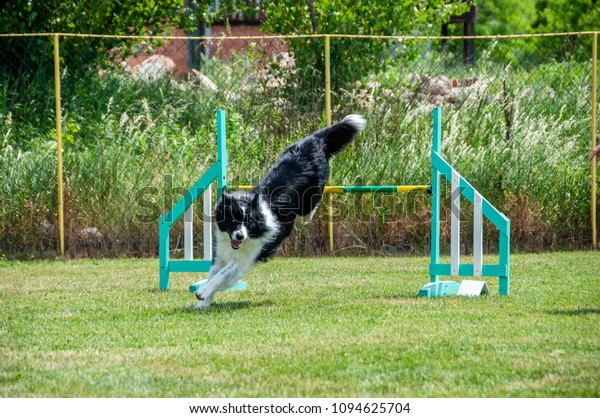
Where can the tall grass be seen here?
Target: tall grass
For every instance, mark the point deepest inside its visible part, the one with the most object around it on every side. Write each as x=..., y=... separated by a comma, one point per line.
x=132, y=146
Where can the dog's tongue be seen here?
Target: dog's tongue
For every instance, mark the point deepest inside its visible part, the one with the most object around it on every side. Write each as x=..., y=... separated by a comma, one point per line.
x=235, y=244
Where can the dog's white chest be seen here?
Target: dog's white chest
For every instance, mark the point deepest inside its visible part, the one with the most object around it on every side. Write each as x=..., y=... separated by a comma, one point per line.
x=244, y=257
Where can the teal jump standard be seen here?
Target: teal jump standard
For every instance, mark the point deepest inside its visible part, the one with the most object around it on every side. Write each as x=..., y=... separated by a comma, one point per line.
x=440, y=168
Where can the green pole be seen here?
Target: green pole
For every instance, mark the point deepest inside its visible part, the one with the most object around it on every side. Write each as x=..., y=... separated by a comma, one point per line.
x=505, y=260
x=435, y=191
x=163, y=254
x=222, y=155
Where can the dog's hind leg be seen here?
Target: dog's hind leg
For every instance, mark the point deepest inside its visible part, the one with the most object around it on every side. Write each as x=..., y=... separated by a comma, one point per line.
x=307, y=218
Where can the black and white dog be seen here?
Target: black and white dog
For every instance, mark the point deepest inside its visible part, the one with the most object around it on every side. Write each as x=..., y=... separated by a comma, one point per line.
x=251, y=225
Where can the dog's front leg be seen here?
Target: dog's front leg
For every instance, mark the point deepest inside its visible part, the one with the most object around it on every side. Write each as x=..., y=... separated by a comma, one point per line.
x=202, y=294
x=217, y=280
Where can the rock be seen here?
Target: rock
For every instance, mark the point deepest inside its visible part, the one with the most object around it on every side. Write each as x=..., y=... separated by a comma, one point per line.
x=438, y=85
x=48, y=227
x=205, y=81
x=91, y=233
x=154, y=67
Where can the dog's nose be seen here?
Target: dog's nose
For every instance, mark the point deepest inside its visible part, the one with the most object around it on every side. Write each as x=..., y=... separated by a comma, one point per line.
x=238, y=235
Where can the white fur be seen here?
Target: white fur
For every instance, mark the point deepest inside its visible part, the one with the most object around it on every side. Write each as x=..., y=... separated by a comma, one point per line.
x=244, y=231
x=307, y=218
x=357, y=121
x=269, y=218
x=231, y=265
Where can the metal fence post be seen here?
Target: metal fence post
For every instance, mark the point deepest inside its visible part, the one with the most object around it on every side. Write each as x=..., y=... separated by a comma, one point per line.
x=61, y=221
x=593, y=140
x=328, y=122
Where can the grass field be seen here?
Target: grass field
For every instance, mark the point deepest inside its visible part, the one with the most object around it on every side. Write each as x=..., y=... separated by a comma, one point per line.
x=329, y=327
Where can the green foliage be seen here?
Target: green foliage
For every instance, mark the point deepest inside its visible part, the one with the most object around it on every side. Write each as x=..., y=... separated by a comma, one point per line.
x=510, y=17
x=101, y=17
x=505, y=17
x=406, y=17
x=567, y=16
x=110, y=17
x=516, y=126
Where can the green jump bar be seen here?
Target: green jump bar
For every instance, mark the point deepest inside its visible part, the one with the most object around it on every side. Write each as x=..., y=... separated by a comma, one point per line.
x=374, y=189
x=362, y=189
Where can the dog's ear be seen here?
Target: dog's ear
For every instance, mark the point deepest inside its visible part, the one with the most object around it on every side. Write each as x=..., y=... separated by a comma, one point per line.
x=225, y=200
x=226, y=197
x=255, y=202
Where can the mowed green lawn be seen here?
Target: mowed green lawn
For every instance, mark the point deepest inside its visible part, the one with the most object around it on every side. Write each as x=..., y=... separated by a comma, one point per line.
x=326, y=327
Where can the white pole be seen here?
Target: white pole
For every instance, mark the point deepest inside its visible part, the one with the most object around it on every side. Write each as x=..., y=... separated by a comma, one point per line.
x=188, y=233
x=455, y=224
x=207, y=223
x=477, y=234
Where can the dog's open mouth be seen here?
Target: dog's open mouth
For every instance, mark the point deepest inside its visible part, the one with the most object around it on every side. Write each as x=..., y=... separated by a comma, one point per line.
x=235, y=244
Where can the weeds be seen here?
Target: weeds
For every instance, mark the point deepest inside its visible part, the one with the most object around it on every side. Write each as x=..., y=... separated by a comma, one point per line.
x=132, y=146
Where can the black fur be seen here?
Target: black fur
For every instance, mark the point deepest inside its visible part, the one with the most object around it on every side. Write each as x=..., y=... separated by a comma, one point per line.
x=292, y=187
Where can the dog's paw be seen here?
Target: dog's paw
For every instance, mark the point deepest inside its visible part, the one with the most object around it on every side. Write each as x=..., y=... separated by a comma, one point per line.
x=204, y=298
x=201, y=294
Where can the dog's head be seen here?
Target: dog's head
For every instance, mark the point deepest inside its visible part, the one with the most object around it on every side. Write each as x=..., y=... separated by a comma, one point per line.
x=240, y=216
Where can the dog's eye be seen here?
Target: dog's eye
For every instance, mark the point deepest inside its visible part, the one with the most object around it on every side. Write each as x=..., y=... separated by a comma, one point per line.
x=237, y=215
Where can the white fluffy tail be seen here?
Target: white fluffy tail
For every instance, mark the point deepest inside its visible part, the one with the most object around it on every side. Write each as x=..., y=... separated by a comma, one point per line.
x=356, y=121
x=338, y=136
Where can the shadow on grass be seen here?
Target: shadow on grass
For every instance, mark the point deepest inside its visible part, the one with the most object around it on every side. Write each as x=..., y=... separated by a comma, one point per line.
x=574, y=312
x=226, y=307
x=156, y=290
x=401, y=295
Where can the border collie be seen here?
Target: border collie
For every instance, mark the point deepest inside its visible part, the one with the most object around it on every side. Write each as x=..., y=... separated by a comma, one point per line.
x=250, y=226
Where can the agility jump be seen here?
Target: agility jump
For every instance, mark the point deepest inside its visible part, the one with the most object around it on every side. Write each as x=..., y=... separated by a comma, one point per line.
x=440, y=168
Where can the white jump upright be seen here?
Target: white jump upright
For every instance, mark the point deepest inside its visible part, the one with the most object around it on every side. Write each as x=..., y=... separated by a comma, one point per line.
x=207, y=223
x=188, y=233
x=455, y=242
x=188, y=227
x=477, y=234
x=455, y=223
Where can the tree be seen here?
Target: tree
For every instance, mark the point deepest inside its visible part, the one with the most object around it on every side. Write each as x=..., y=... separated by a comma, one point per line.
x=110, y=17
x=105, y=17
x=567, y=15
x=358, y=17
x=505, y=17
